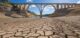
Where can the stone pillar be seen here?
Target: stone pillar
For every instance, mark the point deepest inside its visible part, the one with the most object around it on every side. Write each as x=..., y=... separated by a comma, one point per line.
x=70, y=5
x=41, y=10
x=64, y=5
x=26, y=10
x=54, y=5
x=26, y=7
x=18, y=6
x=67, y=5
x=75, y=5
x=22, y=7
x=61, y=6
x=57, y=6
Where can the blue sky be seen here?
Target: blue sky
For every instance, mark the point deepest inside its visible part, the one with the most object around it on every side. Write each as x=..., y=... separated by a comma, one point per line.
x=44, y=1
x=48, y=9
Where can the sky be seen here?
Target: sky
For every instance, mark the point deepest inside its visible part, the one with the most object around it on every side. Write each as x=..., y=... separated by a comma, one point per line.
x=43, y=1
x=48, y=9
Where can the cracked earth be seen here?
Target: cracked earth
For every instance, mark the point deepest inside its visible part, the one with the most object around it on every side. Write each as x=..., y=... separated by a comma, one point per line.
x=57, y=27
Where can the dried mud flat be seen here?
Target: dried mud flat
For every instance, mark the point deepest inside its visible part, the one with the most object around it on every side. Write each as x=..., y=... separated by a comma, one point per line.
x=57, y=27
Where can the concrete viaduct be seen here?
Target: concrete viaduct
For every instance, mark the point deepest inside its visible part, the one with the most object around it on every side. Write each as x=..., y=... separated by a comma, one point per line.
x=43, y=5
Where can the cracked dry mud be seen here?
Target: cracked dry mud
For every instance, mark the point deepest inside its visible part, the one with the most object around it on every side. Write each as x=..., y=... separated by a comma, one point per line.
x=60, y=27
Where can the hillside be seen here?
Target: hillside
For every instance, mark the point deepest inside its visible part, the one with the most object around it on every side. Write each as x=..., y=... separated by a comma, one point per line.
x=67, y=12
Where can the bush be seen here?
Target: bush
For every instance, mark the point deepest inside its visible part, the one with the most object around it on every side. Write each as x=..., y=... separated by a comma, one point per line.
x=5, y=4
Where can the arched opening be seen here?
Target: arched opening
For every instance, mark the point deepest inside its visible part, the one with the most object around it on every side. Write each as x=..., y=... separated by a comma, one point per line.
x=49, y=9
x=34, y=9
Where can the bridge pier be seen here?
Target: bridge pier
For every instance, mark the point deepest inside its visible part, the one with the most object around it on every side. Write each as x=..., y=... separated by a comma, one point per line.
x=61, y=6
x=57, y=6
x=23, y=9
x=72, y=5
x=67, y=5
x=41, y=7
x=64, y=6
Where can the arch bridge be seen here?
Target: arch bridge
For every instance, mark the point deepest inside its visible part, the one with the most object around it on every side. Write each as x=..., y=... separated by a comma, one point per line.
x=24, y=6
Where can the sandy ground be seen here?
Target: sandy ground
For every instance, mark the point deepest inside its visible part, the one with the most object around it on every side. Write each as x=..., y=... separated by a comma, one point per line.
x=55, y=27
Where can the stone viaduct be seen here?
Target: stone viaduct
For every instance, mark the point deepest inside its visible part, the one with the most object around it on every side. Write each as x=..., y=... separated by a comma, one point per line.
x=43, y=5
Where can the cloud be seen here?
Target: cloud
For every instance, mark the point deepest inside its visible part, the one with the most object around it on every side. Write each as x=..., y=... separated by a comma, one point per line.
x=33, y=6
x=29, y=0
x=78, y=2
x=47, y=8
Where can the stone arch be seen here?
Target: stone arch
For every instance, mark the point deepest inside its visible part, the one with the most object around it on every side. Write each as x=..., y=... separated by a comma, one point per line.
x=51, y=7
x=55, y=5
x=32, y=6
